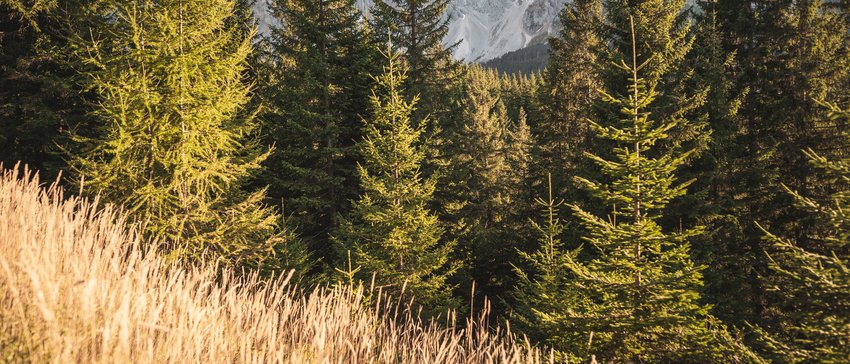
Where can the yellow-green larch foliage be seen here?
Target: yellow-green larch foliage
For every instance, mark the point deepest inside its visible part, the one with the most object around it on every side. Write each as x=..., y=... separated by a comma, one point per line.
x=175, y=139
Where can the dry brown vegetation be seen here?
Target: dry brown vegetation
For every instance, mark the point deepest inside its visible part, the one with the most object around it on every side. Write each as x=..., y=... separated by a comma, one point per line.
x=77, y=284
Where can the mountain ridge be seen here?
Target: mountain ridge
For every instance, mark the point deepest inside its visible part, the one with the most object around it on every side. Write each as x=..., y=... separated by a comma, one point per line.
x=483, y=29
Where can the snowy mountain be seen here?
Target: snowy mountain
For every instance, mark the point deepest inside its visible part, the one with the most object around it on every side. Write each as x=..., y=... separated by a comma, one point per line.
x=485, y=29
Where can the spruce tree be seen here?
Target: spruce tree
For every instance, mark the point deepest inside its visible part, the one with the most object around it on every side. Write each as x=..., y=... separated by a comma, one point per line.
x=710, y=200
x=490, y=169
x=787, y=55
x=416, y=29
x=391, y=233
x=39, y=96
x=522, y=146
x=314, y=84
x=542, y=290
x=173, y=147
x=813, y=279
x=817, y=64
x=572, y=78
x=666, y=35
x=638, y=298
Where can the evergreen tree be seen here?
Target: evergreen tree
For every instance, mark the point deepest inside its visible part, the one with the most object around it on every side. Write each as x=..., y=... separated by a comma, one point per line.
x=489, y=166
x=39, y=98
x=390, y=232
x=787, y=55
x=172, y=148
x=817, y=64
x=814, y=280
x=710, y=200
x=666, y=36
x=638, y=298
x=521, y=178
x=542, y=288
x=416, y=29
x=315, y=85
x=572, y=78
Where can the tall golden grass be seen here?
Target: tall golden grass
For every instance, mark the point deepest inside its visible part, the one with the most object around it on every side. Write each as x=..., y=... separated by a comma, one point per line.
x=78, y=284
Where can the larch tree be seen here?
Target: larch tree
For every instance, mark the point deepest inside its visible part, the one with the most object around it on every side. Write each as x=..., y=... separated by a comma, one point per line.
x=390, y=232
x=314, y=85
x=174, y=143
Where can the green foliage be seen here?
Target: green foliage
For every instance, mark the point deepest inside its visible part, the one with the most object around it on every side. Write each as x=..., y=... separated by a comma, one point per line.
x=542, y=289
x=814, y=279
x=314, y=83
x=28, y=10
x=490, y=166
x=416, y=29
x=391, y=233
x=638, y=298
x=573, y=78
x=173, y=147
x=39, y=96
x=710, y=201
x=786, y=55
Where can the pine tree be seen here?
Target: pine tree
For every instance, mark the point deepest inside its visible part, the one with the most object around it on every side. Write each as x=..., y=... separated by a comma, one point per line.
x=315, y=85
x=813, y=279
x=172, y=148
x=391, y=233
x=638, y=298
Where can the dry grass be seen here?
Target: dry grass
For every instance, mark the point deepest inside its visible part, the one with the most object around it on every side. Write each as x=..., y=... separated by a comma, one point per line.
x=77, y=285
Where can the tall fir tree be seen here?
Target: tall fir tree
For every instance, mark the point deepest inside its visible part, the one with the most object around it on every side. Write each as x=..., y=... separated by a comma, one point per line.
x=39, y=96
x=817, y=64
x=315, y=84
x=173, y=148
x=666, y=35
x=637, y=298
x=542, y=287
x=710, y=201
x=391, y=233
x=416, y=29
x=814, y=279
x=787, y=55
x=490, y=169
x=572, y=80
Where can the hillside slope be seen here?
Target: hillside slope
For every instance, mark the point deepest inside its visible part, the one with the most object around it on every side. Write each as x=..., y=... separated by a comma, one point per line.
x=77, y=285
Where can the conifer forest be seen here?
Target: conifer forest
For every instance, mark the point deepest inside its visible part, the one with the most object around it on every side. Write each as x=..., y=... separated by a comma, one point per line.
x=673, y=186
